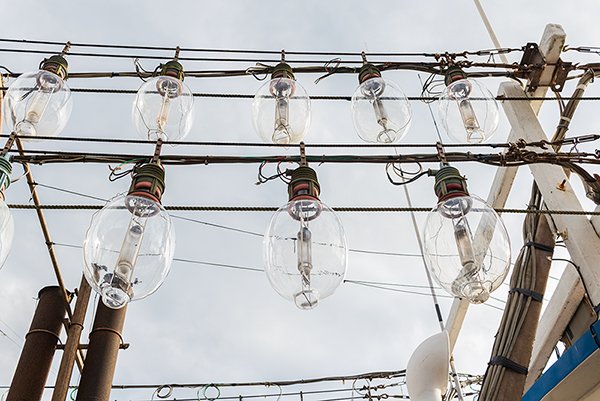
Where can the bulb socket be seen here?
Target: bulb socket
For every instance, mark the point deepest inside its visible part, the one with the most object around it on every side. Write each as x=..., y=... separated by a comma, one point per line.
x=283, y=70
x=454, y=73
x=368, y=71
x=304, y=184
x=5, y=171
x=449, y=183
x=56, y=64
x=148, y=181
x=173, y=69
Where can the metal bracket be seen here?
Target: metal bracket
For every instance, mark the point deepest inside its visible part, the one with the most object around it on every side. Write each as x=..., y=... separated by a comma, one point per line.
x=532, y=64
x=559, y=77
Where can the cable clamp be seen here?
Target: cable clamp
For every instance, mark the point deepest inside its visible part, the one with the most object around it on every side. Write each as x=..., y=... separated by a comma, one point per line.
x=536, y=296
x=541, y=247
x=509, y=364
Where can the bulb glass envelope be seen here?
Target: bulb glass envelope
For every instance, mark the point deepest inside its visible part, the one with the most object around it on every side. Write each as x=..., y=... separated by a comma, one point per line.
x=37, y=103
x=128, y=249
x=466, y=247
x=305, y=252
x=468, y=111
x=281, y=111
x=163, y=109
x=7, y=231
x=380, y=111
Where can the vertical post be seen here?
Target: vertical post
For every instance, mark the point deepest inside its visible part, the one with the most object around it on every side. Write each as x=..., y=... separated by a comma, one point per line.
x=101, y=358
x=71, y=346
x=40, y=343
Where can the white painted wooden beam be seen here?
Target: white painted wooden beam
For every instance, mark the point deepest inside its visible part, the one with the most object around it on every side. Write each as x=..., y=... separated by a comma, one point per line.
x=578, y=233
x=551, y=44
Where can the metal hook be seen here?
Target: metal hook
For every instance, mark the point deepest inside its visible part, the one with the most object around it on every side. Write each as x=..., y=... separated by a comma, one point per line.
x=441, y=153
x=303, y=161
x=363, y=55
x=66, y=48
x=157, y=150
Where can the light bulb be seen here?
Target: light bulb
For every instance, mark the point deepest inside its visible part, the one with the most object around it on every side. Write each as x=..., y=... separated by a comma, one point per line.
x=468, y=110
x=380, y=110
x=305, y=246
x=281, y=108
x=466, y=245
x=129, y=245
x=39, y=103
x=7, y=225
x=163, y=106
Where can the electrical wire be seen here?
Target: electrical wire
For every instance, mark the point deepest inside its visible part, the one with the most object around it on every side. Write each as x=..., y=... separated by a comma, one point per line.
x=483, y=52
x=544, y=144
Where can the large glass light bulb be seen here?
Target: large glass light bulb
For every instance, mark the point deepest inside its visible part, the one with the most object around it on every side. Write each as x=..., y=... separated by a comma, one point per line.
x=466, y=247
x=128, y=249
x=38, y=103
x=281, y=111
x=380, y=111
x=469, y=111
x=7, y=225
x=305, y=252
x=7, y=231
x=163, y=109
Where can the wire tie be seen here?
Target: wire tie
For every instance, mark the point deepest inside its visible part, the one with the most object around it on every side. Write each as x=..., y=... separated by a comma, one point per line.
x=536, y=296
x=541, y=247
x=509, y=364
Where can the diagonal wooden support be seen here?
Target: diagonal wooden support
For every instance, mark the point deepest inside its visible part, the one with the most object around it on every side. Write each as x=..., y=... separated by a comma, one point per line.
x=578, y=233
x=551, y=46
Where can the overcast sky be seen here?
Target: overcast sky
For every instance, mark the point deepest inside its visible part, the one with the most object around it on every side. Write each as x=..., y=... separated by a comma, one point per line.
x=209, y=324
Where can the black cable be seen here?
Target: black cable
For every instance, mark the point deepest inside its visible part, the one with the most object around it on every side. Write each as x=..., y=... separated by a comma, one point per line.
x=483, y=52
x=539, y=144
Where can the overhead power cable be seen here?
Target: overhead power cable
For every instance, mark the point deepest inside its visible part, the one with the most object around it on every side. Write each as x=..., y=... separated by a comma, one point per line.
x=344, y=209
x=485, y=52
x=576, y=140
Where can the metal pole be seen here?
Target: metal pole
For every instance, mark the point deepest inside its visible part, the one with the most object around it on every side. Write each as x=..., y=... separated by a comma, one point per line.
x=72, y=345
x=40, y=343
x=101, y=358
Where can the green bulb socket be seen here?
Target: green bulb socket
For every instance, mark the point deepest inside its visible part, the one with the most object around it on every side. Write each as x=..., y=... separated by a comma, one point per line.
x=283, y=70
x=173, y=69
x=304, y=184
x=454, y=73
x=57, y=65
x=148, y=182
x=449, y=183
x=368, y=71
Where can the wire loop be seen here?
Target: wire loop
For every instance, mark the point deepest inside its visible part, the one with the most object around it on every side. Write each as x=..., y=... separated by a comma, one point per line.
x=203, y=396
x=158, y=392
